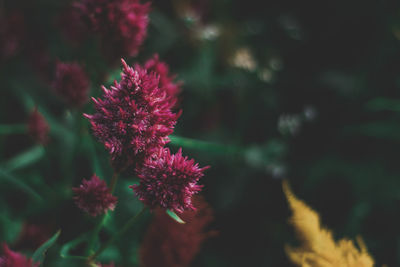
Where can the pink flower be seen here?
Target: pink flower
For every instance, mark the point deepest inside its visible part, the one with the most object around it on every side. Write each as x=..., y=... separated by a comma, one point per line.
x=134, y=119
x=170, y=244
x=121, y=24
x=12, y=34
x=38, y=127
x=33, y=235
x=168, y=181
x=71, y=25
x=71, y=83
x=38, y=56
x=14, y=259
x=94, y=197
x=166, y=79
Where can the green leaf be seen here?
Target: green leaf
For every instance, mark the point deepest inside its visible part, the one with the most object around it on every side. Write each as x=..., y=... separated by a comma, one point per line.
x=260, y=156
x=24, y=159
x=56, y=128
x=381, y=103
x=9, y=226
x=13, y=129
x=174, y=216
x=20, y=184
x=39, y=254
x=64, y=252
x=204, y=145
x=388, y=130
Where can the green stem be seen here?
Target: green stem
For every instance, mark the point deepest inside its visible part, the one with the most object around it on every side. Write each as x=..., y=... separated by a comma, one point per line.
x=101, y=222
x=113, y=182
x=204, y=146
x=13, y=129
x=95, y=234
x=116, y=236
x=65, y=249
x=93, y=154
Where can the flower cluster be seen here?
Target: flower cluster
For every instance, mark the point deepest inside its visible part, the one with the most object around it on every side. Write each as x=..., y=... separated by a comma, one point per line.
x=134, y=119
x=176, y=244
x=38, y=127
x=94, y=197
x=166, y=82
x=121, y=25
x=168, y=181
x=14, y=259
x=71, y=83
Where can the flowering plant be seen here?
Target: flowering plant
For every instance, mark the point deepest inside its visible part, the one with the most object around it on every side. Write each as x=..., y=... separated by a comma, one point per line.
x=158, y=133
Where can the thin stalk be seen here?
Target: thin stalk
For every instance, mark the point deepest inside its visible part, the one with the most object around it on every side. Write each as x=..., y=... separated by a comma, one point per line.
x=13, y=129
x=95, y=234
x=117, y=235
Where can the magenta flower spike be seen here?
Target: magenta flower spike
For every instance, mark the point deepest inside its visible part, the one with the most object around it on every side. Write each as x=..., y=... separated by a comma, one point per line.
x=134, y=118
x=168, y=181
x=167, y=83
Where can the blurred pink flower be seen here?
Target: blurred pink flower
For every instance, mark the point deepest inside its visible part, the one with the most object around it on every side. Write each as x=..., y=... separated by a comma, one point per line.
x=15, y=259
x=38, y=127
x=71, y=25
x=121, y=24
x=71, y=83
x=33, y=235
x=94, y=197
x=170, y=244
x=12, y=34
